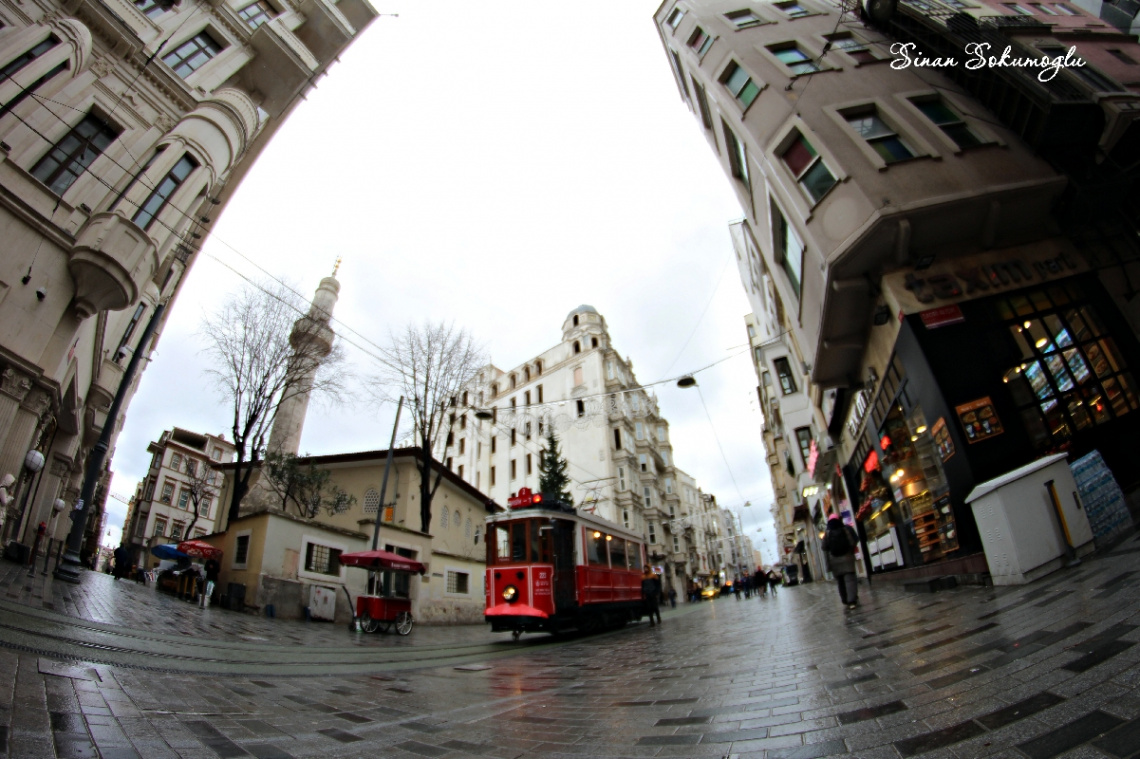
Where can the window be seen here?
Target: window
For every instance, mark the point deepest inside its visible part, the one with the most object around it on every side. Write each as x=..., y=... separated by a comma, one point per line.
x=1042, y=8
x=578, y=380
x=617, y=439
x=151, y=207
x=736, y=80
x=183, y=498
x=494, y=440
x=191, y=467
x=462, y=445
x=241, y=550
x=176, y=530
x=257, y=13
x=743, y=19
x=949, y=122
x=538, y=391
x=529, y=464
x=879, y=136
x=808, y=168
x=21, y=61
x=737, y=156
x=526, y=398
x=660, y=434
x=461, y=471
x=1090, y=76
x=444, y=515
x=795, y=59
x=669, y=486
x=71, y=156
x=322, y=559
x=149, y=492
x=167, y=492
x=1019, y=9
x=538, y=373
x=581, y=406
x=789, y=249
x=647, y=496
x=784, y=372
x=159, y=527
x=700, y=41
x=1121, y=56
x=643, y=461
x=857, y=49
x=176, y=462
x=702, y=103
x=793, y=9
x=1065, y=10
x=204, y=507
x=150, y=8
x=526, y=430
x=457, y=582
x=639, y=431
x=803, y=437
x=674, y=19
x=192, y=54
x=492, y=476
x=514, y=436
x=577, y=347
x=652, y=533
x=514, y=469
x=621, y=478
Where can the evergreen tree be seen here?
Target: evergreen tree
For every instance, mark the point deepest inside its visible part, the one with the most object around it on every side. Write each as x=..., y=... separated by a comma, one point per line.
x=553, y=482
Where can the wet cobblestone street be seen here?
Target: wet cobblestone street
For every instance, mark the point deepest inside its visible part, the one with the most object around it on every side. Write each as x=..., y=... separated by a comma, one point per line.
x=1045, y=670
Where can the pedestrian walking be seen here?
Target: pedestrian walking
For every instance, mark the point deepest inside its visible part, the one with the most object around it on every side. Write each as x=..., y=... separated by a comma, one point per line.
x=650, y=592
x=773, y=580
x=839, y=544
x=120, y=562
x=672, y=598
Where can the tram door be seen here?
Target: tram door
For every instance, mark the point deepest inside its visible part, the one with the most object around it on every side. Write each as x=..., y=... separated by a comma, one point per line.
x=564, y=593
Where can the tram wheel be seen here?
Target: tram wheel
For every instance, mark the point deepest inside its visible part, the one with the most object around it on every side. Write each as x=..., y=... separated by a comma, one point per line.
x=368, y=624
x=404, y=623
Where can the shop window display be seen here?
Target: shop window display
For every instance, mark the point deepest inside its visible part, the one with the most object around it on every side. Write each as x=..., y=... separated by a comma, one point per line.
x=1071, y=375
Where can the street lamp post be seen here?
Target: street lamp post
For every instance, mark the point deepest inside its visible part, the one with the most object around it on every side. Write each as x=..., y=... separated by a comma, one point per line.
x=68, y=569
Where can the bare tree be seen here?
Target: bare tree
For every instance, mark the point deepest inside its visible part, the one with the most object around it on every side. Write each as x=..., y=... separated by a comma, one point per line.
x=264, y=349
x=305, y=487
x=201, y=484
x=430, y=364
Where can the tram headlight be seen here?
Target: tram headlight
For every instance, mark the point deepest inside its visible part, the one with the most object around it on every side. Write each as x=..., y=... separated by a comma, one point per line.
x=510, y=594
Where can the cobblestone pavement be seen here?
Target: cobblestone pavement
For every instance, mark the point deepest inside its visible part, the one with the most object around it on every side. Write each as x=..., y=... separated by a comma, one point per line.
x=1038, y=671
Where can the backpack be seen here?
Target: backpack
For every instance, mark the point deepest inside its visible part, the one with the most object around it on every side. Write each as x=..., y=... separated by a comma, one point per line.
x=838, y=543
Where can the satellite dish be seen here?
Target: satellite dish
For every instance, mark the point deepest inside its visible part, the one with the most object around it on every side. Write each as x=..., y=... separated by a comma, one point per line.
x=879, y=12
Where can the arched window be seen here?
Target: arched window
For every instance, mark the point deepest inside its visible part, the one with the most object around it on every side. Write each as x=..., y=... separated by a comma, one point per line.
x=514, y=382
x=575, y=320
x=458, y=519
x=526, y=374
x=538, y=368
x=371, y=501
x=443, y=518
x=593, y=342
x=494, y=389
x=577, y=347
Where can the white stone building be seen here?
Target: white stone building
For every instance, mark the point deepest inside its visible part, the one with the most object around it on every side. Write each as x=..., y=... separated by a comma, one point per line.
x=610, y=431
x=162, y=510
x=125, y=127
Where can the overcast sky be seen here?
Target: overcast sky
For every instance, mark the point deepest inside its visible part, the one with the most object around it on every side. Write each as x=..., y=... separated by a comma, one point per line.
x=495, y=164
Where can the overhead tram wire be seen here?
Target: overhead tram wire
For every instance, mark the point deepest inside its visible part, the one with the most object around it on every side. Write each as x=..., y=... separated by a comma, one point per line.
x=701, y=318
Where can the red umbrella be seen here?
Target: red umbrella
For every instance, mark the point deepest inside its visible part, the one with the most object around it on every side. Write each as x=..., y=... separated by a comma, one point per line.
x=381, y=560
x=200, y=549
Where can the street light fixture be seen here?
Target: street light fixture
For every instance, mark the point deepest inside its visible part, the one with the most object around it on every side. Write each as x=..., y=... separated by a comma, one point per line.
x=687, y=381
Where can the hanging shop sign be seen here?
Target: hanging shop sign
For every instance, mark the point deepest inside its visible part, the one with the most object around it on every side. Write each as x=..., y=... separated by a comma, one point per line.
x=932, y=318
x=979, y=419
x=941, y=434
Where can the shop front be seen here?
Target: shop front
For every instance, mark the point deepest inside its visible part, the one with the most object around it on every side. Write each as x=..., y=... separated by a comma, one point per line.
x=980, y=386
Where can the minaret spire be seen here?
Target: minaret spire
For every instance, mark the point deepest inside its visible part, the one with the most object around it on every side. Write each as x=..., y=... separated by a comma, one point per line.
x=312, y=340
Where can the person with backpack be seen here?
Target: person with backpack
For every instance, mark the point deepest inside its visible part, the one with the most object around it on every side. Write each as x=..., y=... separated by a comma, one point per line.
x=839, y=544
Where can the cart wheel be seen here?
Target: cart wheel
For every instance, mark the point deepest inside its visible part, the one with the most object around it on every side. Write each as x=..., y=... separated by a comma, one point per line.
x=404, y=622
x=368, y=624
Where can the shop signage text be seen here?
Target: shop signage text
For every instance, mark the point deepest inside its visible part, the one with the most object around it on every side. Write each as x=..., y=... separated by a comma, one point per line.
x=973, y=279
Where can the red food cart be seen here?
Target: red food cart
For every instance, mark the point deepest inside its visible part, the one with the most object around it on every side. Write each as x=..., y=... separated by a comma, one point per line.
x=381, y=612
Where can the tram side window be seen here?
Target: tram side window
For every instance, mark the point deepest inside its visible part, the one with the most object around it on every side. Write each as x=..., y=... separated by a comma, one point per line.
x=518, y=541
x=617, y=553
x=501, y=544
x=596, y=549
x=634, y=553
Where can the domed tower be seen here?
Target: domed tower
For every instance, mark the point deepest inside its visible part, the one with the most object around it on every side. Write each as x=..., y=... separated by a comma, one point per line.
x=586, y=328
x=312, y=340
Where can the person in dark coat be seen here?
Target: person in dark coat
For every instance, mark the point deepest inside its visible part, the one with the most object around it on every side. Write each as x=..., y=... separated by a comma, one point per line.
x=650, y=593
x=839, y=544
x=121, y=560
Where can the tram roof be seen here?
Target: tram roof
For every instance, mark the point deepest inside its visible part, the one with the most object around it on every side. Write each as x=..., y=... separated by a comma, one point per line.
x=589, y=520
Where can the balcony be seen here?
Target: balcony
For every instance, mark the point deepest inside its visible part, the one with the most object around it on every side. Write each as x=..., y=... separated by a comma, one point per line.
x=110, y=262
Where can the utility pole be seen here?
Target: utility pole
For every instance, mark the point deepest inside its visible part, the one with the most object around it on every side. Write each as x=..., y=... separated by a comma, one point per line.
x=384, y=482
x=68, y=569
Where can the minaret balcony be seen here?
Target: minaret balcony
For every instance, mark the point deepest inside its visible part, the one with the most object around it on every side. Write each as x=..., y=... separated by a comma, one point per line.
x=110, y=262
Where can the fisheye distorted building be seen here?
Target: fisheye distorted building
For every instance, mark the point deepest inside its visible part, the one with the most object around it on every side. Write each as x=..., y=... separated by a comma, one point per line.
x=125, y=127
x=940, y=260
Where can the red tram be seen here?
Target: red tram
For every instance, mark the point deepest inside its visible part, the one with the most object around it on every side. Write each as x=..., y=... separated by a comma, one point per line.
x=550, y=568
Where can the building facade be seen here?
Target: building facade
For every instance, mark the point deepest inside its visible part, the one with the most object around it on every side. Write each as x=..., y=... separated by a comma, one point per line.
x=610, y=431
x=945, y=253
x=125, y=127
x=178, y=498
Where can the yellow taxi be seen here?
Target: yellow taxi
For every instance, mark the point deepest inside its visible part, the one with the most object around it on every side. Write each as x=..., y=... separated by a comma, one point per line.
x=710, y=592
